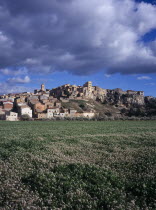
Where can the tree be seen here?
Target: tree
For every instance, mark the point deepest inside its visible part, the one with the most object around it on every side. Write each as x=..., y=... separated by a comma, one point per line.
x=66, y=92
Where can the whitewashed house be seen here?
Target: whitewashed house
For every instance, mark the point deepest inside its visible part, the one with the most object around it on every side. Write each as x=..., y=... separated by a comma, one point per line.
x=88, y=114
x=12, y=116
x=63, y=114
x=25, y=110
x=50, y=113
x=72, y=112
x=55, y=110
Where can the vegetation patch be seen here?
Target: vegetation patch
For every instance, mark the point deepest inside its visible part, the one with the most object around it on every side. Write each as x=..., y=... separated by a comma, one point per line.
x=76, y=186
x=78, y=165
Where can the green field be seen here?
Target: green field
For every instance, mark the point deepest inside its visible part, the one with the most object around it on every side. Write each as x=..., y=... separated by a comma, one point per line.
x=78, y=165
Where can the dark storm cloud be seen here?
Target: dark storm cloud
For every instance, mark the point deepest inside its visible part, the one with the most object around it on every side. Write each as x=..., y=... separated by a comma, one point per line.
x=80, y=37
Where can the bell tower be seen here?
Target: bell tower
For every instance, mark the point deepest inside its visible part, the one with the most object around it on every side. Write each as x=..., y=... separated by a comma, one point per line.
x=43, y=87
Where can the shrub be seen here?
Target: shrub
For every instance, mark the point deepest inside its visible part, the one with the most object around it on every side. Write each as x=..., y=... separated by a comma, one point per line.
x=26, y=117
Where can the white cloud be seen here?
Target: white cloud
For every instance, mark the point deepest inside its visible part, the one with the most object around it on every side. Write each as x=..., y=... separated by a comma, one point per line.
x=144, y=78
x=8, y=72
x=18, y=80
x=3, y=38
x=9, y=88
x=107, y=75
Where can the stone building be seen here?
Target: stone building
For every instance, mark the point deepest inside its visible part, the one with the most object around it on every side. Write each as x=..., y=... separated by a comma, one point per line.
x=38, y=107
x=88, y=85
x=87, y=91
x=7, y=105
x=43, y=87
x=132, y=92
x=41, y=115
x=58, y=104
x=43, y=90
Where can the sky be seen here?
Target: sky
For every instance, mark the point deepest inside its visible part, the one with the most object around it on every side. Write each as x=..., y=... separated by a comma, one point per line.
x=109, y=42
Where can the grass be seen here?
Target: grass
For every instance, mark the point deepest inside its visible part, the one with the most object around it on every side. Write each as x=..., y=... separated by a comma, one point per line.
x=82, y=105
x=78, y=165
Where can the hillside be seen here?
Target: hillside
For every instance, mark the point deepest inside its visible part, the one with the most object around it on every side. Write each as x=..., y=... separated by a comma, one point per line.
x=91, y=105
x=115, y=102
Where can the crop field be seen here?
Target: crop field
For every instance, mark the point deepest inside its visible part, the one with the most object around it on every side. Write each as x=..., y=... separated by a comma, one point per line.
x=78, y=165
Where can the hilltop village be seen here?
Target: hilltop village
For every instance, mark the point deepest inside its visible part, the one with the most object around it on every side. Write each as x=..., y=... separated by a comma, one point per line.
x=70, y=101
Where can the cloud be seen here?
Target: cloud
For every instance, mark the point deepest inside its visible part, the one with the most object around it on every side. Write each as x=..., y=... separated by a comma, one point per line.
x=9, y=88
x=9, y=72
x=79, y=37
x=107, y=75
x=18, y=80
x=144, y=78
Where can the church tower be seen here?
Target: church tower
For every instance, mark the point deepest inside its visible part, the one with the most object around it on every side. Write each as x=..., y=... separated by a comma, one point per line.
x=43, y=87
